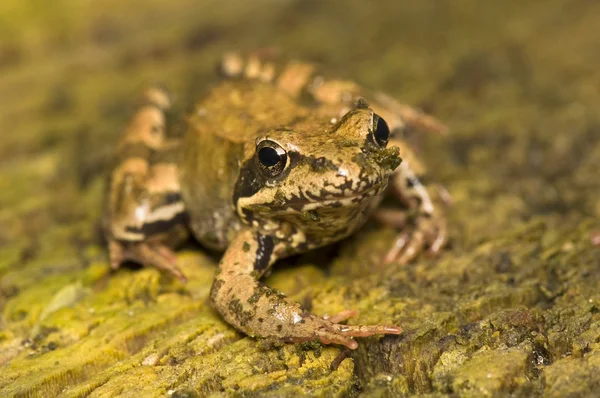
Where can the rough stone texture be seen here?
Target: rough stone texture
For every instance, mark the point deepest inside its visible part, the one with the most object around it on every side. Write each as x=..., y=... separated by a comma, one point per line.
x=512, y=307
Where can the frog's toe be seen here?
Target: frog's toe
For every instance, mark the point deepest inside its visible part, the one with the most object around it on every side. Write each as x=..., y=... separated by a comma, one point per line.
x=397, y=249
x=328, y=332
x=256, y=65
x=344, y=334
x=595, y=238
x=438, y=241
x=115, y=254
x=429, y=234
x=329, y=337
x=392, y=217
x=163, y=258
x=341, y=316
x=167, y=253
x=154, y=255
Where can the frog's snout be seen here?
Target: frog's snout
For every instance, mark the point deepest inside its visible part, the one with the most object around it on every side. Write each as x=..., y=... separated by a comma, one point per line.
x=388, y=158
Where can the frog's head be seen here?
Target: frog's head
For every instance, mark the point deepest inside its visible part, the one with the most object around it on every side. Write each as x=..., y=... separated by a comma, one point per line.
x=318, y=176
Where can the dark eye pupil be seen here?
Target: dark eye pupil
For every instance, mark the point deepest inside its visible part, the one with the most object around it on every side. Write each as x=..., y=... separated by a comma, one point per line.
x=268, y=157
x=382, y=131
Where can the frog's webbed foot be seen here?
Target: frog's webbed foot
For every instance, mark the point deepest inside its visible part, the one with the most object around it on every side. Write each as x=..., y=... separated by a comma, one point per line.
x=146, y=253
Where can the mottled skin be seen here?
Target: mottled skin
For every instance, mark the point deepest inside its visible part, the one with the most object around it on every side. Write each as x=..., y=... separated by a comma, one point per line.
x=276, y=161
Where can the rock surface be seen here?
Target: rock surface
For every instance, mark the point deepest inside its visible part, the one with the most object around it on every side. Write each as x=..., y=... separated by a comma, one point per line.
x=511, y=307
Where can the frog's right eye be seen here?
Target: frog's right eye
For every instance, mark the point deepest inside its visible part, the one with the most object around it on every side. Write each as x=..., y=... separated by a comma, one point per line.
x=381, y=131
x=271, y=158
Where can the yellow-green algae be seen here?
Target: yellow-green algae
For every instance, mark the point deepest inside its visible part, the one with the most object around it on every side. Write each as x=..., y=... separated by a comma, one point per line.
x=512, y=307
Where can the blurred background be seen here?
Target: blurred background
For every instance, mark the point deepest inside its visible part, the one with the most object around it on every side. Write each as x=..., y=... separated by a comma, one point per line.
x=516, y=81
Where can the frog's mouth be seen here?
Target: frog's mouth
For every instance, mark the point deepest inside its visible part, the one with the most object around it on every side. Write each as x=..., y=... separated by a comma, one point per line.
x=344, y=197
x=329, y=200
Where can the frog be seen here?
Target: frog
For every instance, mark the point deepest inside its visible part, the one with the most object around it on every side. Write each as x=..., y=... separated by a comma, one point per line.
x=276, y=160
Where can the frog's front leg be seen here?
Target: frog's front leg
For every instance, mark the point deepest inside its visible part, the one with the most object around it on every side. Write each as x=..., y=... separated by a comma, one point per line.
x=422, y=225
x=259, y=310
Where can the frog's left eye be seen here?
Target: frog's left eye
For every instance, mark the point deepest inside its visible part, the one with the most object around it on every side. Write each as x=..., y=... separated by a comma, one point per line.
x=271, y=158
x=381, y=131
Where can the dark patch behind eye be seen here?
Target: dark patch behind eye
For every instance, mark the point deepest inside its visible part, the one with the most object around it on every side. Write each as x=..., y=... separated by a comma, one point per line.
x=249, y=182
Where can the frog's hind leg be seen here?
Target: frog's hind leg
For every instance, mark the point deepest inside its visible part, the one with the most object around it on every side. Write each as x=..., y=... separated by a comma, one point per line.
x=302, y=79
x=145, y=213
x=422, y=224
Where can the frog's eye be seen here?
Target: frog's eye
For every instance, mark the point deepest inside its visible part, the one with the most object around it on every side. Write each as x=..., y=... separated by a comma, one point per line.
x=271, y=158
x=381, y=131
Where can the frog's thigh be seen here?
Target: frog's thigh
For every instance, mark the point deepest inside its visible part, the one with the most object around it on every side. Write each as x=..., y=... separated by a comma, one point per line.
x=145, y=209
x=145, y=226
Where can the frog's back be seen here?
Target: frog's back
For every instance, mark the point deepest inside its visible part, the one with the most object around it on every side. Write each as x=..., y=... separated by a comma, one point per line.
x=221, y=134
x=238, y=110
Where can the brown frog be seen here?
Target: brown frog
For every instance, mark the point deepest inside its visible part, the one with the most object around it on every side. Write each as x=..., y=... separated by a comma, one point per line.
x=275, y=162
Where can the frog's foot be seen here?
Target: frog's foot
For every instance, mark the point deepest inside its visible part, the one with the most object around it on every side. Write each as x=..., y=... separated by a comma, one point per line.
x=422, y=225
x=258, y=65
x=303, y=79
x=328, y=332
x=146, y=253
x=428, y=232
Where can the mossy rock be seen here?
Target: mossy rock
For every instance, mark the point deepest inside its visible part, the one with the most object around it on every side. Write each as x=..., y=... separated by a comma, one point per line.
x=510, y=307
